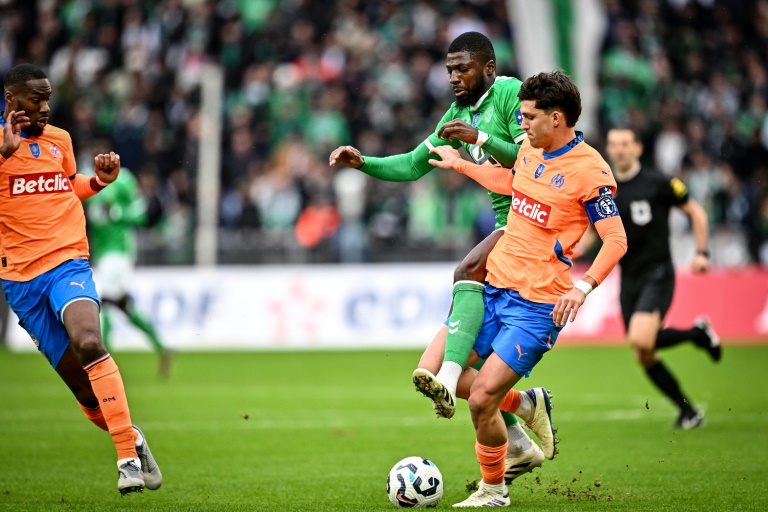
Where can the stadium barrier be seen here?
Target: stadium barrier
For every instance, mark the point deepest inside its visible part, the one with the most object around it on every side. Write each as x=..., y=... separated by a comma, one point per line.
x=384, y=306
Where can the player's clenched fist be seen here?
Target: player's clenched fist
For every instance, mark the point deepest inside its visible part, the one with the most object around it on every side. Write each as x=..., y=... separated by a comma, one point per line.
x=346, y=156
x=107, y=166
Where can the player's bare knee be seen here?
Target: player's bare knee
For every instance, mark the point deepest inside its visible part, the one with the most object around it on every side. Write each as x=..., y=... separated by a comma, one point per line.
x=89, y=346
x=480, y=405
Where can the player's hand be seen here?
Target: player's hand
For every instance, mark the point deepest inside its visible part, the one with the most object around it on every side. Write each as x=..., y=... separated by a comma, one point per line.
x=567, y=306
x=346, y=156
x=700, y=264
x=448, y=157
x=16, y=122
x=107, y=166
x=458, y=129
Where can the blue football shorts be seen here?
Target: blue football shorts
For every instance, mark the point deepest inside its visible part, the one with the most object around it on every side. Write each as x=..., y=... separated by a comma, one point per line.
x=519, y=331
x=40, y=304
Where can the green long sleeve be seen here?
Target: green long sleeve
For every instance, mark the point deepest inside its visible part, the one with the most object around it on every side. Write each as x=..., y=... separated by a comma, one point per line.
x=504, y=152
x=406, y=167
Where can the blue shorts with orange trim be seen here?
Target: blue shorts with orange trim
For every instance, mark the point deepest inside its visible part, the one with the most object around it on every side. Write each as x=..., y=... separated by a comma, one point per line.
x=39, y=304
x=519, y=331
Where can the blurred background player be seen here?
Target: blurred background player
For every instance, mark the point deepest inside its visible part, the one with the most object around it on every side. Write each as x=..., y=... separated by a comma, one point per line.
x=485, y=121
x=644, y=198
x=45, y=272
x=112, y=217
x=559, y=186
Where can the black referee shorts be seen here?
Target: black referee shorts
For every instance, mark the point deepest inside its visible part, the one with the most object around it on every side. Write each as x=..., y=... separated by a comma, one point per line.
x=647, y=291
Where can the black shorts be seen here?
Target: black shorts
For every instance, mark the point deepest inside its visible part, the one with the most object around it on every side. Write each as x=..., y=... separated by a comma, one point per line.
x=647, y=291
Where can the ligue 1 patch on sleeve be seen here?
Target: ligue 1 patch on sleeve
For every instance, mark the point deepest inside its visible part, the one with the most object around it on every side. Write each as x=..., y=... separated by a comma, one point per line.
x=34, y=148
x=601, y=207
x=518, y=116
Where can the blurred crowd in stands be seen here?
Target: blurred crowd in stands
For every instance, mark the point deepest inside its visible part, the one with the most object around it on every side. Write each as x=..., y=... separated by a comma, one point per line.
x=302, y=77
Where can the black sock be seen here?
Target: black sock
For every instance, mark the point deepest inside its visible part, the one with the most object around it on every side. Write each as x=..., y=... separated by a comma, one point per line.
x=670, y=337
x=666, y=382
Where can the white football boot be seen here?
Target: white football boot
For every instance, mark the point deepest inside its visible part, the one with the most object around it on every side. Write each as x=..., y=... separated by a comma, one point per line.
x=153, y=479
x=541, y=421
x=486, y=497
x=518, y=465
x=443, y=399
x=129, y=476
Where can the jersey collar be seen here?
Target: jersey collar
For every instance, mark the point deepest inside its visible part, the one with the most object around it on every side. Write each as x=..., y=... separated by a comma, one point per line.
x=482, y=98
x=23, y=134
x=563, y=150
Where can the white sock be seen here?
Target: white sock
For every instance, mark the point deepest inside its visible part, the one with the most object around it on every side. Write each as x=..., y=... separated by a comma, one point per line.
x=139, y=438
x=518, y=440
x=526, y=408
x=449, y=375
x=495, y=487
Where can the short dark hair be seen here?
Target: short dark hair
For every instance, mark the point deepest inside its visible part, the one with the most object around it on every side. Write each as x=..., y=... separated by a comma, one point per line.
x=553, y=91
x=21, y=74
x=475, y=43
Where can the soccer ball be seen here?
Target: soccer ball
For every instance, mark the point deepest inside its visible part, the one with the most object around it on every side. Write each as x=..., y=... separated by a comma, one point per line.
x=415, y=482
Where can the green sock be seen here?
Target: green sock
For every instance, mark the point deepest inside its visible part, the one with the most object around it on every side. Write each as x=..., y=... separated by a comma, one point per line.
x=106, y=327
x=465, y=321
x=509, y=418
x=143, y=325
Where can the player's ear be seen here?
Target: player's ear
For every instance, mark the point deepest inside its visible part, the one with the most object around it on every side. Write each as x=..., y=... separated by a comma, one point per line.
x=490, y=67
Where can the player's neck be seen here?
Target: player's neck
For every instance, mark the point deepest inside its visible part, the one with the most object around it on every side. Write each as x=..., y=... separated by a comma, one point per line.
x=560, y=139
x=628, y=173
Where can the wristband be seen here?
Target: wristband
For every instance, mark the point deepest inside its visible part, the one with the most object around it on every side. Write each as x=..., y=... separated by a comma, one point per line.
x=481, y=138
x=583, y=286
x=101, y=183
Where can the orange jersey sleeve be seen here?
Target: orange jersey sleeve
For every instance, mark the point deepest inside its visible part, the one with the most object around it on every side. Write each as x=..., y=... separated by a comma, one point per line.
x=42, y=223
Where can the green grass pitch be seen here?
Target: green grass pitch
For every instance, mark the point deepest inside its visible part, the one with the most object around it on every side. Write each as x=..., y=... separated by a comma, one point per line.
x=318, y=431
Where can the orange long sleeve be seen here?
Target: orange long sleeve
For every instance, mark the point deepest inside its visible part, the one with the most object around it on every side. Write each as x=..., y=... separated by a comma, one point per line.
x=495, y=179
x=611, y=231
x=85, y=187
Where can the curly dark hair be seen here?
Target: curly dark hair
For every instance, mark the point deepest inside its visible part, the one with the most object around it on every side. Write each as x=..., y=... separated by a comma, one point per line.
x=553, y=91
x=475, y=43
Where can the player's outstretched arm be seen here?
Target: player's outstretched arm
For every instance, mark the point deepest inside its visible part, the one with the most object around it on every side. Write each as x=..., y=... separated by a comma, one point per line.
x=495, y=179
x=15, y=123
x=700, y=226
x=398, y=168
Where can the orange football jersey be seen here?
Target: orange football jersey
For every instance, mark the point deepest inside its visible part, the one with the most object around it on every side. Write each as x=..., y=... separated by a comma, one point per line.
x=42, y=223
x=555, y=196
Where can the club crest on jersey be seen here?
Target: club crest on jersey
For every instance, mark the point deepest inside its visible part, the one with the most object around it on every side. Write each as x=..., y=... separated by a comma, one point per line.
x=539, y=171
x=557, y=181
x=34, y=148
x=518, y=116
x=475, y=120
x=55, y=152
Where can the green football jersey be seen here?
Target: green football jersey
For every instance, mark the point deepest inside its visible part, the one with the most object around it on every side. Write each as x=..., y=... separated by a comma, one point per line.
x=496, y=113
x=113, y=214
